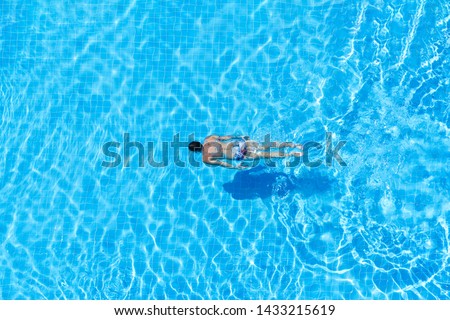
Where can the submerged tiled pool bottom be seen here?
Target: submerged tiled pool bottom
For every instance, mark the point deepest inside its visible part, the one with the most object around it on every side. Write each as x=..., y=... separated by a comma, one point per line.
x=76, y=75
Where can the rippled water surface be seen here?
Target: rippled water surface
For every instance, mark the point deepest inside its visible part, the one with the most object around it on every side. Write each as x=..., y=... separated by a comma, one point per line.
x=77, y=74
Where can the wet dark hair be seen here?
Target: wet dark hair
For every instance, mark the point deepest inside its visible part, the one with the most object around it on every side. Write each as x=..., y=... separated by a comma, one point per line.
x=195, y=146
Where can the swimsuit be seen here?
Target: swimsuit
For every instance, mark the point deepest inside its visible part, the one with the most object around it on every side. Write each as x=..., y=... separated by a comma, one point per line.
x=239, y=149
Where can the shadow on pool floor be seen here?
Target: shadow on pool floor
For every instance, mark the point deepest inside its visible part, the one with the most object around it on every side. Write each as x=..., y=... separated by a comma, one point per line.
x=261, y=182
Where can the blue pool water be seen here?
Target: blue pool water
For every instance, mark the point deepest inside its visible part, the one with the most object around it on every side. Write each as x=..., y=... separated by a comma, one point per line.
x=77, y=74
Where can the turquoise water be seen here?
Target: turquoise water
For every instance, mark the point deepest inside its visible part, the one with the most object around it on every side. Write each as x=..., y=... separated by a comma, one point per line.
x=77, y=74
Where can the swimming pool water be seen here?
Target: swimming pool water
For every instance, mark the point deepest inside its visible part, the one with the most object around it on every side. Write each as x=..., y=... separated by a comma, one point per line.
x=77, y=74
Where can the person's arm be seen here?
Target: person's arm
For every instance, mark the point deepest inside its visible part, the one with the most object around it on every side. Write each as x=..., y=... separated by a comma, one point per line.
x=223, y=164
x=223, y=138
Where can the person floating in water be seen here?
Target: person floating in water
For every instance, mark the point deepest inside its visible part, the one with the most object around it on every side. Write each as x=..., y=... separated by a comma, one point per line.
x=217, y=149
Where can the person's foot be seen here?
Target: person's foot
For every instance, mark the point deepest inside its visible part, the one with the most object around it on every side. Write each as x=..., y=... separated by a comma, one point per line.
x=286, y=145
x=296, y=154
x=299, y=146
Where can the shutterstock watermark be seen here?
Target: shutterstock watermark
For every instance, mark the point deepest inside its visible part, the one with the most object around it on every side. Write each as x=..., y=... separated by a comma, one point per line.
x=120, y=153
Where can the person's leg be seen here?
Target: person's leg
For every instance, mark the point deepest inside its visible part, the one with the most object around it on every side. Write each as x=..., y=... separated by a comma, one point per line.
x=275, y=154
x=288, y=144
x=275, y=145
x=253, y=145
